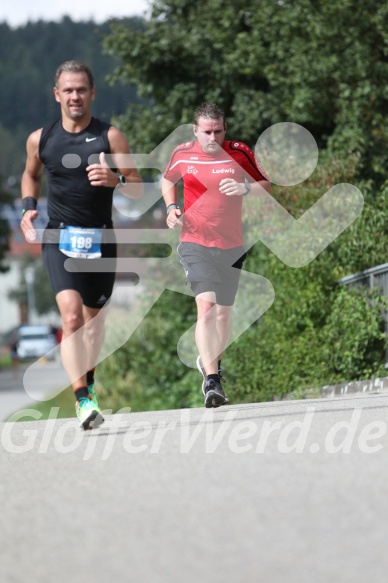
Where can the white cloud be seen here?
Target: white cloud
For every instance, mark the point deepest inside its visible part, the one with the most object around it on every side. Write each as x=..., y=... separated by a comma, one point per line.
x=19, y=13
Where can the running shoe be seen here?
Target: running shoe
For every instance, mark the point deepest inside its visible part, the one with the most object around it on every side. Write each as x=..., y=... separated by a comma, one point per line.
x=93, y=395
x=88, y=413
x=202, y=371
x=214, y=395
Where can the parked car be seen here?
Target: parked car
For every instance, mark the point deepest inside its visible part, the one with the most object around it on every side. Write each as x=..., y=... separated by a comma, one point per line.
x=35, y=341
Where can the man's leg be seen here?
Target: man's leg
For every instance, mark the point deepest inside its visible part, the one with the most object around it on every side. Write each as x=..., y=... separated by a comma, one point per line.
x=74, y=354
x=212, y=335
x=94, y=335
x=73, y=351
x=214, y=324
x=224, y=327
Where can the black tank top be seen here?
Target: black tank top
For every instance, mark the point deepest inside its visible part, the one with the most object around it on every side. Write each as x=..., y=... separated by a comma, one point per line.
x=71, y=199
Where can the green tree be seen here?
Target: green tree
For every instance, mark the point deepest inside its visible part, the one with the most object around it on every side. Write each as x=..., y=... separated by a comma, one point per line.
x=5, y=198
x=10, y=158
x=322, y=64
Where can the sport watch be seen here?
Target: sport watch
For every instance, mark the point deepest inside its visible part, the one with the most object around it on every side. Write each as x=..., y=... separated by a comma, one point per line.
x=248, y=187
x=121, y=179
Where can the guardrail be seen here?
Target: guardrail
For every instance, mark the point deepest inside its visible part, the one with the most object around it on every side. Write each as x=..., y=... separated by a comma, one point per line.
x=375, y=277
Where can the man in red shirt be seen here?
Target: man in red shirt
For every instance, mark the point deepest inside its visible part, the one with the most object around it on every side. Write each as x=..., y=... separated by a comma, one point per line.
x=216, y=174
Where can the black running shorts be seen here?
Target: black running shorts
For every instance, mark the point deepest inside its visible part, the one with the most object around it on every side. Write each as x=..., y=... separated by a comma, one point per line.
x=212, y=269
x=95, y=287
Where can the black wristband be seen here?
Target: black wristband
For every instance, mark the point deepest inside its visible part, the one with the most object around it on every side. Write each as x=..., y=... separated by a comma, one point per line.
x=29, y=203
x=171, y=206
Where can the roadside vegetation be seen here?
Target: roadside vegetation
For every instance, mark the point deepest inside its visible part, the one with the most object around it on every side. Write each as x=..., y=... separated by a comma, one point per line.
x=265, y=62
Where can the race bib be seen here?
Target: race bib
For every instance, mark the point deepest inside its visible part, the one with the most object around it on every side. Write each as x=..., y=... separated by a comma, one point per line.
x=81, y=242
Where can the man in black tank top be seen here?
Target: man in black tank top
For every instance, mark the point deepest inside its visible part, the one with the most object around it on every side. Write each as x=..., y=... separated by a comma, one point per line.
x=77, y=154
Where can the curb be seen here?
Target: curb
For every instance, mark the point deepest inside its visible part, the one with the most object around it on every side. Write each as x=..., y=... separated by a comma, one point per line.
x=368, y=386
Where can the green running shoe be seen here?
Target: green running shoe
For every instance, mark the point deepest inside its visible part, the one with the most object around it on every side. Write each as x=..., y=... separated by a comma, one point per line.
x=93, y=395
x=88, y=413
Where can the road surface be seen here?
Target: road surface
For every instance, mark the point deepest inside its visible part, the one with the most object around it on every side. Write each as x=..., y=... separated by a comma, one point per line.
x=43, y=378
x=280, y=492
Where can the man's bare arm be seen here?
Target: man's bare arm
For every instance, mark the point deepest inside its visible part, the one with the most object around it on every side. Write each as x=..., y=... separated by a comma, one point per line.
x=31, y=184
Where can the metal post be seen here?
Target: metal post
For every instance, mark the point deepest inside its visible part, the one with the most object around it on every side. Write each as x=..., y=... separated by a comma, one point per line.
x=29, y=275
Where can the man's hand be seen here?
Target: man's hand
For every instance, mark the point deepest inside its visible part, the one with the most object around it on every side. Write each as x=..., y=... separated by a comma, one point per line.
x=27, y=226
x=101, y=174
x=173, y=219
x=231, y=187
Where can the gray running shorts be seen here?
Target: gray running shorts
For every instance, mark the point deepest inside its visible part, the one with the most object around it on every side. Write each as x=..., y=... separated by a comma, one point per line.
x=212, y=269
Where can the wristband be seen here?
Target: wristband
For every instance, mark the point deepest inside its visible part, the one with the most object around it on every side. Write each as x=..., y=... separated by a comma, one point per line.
x=29, y=203
x=171, y=206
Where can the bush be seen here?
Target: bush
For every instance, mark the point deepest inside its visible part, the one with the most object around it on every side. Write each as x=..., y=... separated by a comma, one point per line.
x=316, y=332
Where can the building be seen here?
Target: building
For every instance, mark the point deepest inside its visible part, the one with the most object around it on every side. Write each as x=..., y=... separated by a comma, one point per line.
x=12, y=314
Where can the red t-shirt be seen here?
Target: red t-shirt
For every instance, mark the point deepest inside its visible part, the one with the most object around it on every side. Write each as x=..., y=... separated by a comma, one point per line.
x=211, y=218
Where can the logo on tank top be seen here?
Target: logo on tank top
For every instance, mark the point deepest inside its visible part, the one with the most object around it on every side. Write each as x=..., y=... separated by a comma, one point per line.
x=192, y=170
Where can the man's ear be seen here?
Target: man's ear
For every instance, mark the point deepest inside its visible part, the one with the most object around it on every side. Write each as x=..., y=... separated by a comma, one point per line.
x=55, y=91
x=195, y=129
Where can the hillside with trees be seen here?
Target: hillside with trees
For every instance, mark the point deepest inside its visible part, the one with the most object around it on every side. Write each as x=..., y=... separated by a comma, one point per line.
x=29, y=57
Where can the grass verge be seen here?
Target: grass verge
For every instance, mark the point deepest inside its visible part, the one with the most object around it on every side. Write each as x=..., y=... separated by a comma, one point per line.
x=64, y=401
x=5, y=361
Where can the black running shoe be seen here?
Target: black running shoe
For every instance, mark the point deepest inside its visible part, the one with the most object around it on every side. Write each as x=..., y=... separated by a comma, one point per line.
x=214, y=395
x=203, y=373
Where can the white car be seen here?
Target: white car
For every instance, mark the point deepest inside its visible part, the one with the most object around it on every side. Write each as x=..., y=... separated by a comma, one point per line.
x=35, y=341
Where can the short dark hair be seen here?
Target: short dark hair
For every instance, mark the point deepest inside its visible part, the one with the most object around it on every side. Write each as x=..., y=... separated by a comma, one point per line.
x=208, y=111
x=73, y=67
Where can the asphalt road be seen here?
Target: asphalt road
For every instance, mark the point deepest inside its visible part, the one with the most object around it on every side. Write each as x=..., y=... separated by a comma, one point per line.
x=31, y=382
x=280, y=492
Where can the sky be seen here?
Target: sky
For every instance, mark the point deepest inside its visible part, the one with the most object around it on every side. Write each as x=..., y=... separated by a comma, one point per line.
x=19, y=13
